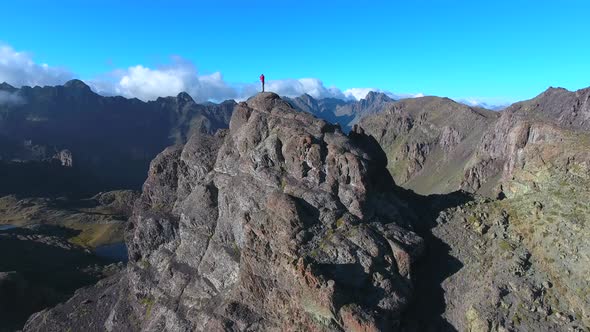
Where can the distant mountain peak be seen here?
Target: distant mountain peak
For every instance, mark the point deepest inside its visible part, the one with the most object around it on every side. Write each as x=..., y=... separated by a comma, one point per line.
x=373, y=96
x=551, y=88
x=184, y=97
x=554, y=90
x=7, y=87
x=76, y=84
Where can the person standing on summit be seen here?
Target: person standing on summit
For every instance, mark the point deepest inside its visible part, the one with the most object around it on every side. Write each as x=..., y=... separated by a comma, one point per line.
x=262, y=81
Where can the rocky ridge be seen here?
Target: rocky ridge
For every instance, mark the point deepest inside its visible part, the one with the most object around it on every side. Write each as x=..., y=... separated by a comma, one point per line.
x=541, y=125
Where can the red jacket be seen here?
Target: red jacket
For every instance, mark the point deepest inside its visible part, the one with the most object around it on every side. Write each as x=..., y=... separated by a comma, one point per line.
x=262, y=78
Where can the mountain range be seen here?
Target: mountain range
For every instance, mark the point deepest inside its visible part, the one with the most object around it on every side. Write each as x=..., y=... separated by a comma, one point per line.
x=420, y=214
x=435, y=145
x=103, y=142
x=344, y=113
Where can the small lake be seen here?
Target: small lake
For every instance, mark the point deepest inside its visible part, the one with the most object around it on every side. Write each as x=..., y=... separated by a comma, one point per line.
x=116, y=252
x=7, y=227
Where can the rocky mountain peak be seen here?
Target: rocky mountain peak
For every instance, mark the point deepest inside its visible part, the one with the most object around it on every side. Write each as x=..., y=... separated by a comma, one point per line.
x=556, y=105
x=375, y=96
x=552, y=90
x=281, y=222
x=285, y=181
x=265, y=101
x=184, y=98
x=76, y=84
x=7, y=87
x=307, y=96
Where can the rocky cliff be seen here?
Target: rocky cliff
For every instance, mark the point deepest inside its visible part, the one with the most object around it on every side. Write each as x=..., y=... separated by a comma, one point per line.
x=281, y=222
x=519, y=262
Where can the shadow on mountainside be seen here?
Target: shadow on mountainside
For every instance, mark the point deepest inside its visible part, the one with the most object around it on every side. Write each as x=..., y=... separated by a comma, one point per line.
x=39, y=269
x=437, y=264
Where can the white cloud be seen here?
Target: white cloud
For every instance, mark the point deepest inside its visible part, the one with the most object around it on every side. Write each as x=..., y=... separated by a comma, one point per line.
x=407, y=95
x=8, y=98
x=18, y=69
x=495, y=104
x=180, y=75
x=292, y=88
x=148, y=84
x=358, y=93
x=296, y=87
x=361, y=93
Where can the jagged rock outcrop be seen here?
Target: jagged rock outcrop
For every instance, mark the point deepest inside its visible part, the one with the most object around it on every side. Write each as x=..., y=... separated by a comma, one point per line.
x=281, y=222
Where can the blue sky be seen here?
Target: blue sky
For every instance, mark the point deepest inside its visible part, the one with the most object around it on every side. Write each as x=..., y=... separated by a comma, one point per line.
x=493, y=51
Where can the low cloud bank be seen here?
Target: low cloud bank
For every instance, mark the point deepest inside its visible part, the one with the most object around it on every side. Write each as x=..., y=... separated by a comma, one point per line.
x=179, y=75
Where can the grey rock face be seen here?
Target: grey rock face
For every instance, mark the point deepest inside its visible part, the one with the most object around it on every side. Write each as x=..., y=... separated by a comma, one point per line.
x=281, y=222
